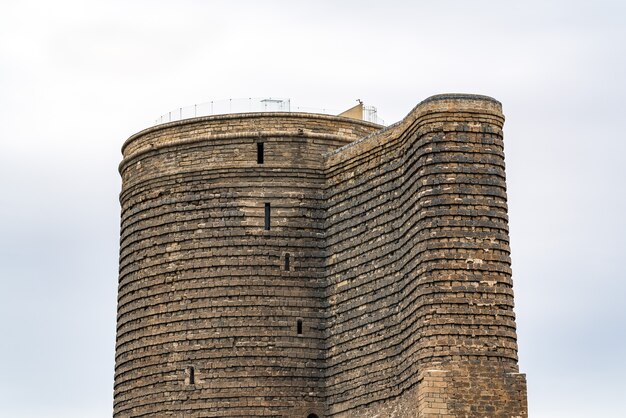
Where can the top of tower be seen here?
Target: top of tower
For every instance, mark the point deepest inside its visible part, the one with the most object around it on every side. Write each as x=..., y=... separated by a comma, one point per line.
x=264, y=104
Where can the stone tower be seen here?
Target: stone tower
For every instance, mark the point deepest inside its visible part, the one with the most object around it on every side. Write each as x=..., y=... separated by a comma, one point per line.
x=306, y=265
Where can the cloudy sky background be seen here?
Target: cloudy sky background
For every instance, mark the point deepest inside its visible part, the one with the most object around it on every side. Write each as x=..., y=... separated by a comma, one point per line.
x=79, y=77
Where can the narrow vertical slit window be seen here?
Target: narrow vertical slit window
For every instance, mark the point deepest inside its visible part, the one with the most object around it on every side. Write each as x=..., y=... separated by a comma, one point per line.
x=267, y=216
x=287, y=261
x=191, y=375
x=259, y=153
x=299, y=326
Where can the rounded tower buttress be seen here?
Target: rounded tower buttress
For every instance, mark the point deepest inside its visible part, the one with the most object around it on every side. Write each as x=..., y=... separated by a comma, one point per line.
x=466, y=343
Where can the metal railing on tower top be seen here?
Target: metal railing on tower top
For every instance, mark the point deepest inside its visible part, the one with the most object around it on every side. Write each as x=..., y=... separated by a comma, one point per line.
x=254, y=104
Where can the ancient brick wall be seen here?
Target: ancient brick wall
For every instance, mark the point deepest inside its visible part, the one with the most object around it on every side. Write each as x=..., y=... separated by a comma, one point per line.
x=381, y=288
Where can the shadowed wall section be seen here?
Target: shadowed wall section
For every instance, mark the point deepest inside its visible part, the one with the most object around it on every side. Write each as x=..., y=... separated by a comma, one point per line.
x=351, y=271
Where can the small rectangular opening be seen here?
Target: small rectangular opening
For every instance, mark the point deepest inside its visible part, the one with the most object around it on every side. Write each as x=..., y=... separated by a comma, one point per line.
x=299, y=327
x=191, y=375
x=267, y=216
x=259, y=153
x=287, y=261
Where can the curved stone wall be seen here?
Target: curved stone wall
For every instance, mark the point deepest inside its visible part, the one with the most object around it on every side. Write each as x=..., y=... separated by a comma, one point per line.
x=419, y=273
x=381, y=288
x=207, y=311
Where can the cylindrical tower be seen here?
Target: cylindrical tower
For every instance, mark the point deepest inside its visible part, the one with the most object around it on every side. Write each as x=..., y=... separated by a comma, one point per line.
x=221, y=291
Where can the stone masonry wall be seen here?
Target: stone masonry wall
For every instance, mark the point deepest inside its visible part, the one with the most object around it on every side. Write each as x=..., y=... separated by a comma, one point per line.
x=419, y=270
x=398, y=269
x=203, y=285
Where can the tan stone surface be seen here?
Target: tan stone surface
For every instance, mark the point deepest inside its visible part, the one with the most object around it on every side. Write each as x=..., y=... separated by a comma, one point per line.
x=355, y=112
x=399, y=267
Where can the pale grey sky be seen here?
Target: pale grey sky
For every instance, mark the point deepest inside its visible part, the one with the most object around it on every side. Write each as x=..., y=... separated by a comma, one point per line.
x=78, y=77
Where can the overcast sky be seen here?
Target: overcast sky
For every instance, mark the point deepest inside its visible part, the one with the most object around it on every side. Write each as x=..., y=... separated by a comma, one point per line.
x=79, y=77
